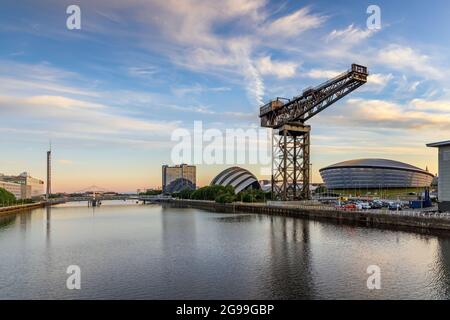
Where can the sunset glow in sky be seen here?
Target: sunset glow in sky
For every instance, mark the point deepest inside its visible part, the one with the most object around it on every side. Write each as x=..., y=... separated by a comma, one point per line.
x=110, y=95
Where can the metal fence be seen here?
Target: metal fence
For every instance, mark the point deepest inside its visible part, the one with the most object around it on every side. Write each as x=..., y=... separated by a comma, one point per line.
x=403, y=213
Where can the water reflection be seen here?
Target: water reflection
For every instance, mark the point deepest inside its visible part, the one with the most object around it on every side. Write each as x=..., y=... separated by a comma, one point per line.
x=25, y=220
x=48, y=224
x=291, y=271
x=154, y=252
x=6, y=221
x=441, y=276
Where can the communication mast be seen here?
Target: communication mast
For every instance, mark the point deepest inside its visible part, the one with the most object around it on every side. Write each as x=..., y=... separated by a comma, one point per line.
x=49, y=172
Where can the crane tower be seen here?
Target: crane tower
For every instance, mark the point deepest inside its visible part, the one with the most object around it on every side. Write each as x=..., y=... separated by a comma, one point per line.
x=291, y=136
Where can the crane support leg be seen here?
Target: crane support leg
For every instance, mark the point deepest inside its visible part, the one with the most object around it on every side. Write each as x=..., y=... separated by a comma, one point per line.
x=290, y=163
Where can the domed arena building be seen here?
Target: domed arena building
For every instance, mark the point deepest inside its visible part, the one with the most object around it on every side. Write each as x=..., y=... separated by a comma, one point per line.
x=374, y=174
x=240, y=178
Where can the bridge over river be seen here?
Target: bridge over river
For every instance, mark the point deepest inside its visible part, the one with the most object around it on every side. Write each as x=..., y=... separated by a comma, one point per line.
x=98, y=198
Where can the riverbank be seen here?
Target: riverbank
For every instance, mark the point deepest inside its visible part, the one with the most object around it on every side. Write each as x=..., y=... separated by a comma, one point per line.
x=15, y=209
x=365, y=218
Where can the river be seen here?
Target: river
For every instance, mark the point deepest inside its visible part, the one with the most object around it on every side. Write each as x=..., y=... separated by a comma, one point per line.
x=130, y=251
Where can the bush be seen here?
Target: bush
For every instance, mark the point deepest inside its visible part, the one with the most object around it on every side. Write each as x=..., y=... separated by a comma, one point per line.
x=150, y=192
x=253, y=195
x=225, y=198
x=214, y=193
x=6, y=197
x=185, y=194
x=211, y=192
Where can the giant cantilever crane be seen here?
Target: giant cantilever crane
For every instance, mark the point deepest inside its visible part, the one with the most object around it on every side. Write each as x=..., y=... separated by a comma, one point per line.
x=290, y=144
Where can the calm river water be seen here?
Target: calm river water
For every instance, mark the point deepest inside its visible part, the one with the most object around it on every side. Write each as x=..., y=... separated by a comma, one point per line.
x=129, y=251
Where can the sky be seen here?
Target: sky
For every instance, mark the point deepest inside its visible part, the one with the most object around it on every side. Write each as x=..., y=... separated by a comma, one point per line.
x=110, y=95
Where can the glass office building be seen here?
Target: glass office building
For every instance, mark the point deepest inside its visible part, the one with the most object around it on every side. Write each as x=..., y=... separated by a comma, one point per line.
x=175, y=173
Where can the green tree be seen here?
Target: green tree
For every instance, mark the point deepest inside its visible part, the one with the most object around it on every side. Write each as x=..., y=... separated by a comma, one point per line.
x=213, y=192
x=184, y=194
x=225, y=198
x=7, y=198
x=151, y=192
x=253, y=195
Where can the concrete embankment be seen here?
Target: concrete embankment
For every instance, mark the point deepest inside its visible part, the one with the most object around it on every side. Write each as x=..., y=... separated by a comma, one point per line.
x=366, y=218
x=15, y=209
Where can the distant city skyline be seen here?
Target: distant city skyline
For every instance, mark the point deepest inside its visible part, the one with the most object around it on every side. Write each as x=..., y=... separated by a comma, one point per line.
x=109, y=96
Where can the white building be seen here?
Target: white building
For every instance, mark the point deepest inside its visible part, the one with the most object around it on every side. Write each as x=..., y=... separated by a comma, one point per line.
x=30, y=187
x=444, y=174
x=14, y=188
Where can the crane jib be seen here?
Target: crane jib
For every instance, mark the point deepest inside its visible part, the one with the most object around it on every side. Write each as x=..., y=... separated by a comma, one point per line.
x=313, y=100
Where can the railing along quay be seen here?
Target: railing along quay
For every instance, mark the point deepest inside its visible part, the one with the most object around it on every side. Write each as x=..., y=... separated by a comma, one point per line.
x=414, y=219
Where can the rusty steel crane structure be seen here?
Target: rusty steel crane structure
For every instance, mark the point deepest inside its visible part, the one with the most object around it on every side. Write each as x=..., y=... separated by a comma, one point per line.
x=291, y=136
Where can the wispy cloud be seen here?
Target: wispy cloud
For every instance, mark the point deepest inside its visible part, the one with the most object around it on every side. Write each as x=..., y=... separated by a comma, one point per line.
x=80, y=119
x=350, y=35
x=266, y=66
x=322, y=74
x=196, y=89
x=382, y=114
x=294, y=24
x=190, y=38
x=405, y=58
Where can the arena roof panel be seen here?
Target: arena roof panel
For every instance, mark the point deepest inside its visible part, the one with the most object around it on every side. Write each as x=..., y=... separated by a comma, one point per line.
x=237, y=177
x=376, y=163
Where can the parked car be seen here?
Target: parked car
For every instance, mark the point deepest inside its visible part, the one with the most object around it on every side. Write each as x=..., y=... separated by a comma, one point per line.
x=376, y=205
x=395, y=206
x=365, y=205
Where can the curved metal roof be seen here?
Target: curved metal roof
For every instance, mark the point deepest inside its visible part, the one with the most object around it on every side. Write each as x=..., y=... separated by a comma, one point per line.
x=237, y=177
x=376, y=163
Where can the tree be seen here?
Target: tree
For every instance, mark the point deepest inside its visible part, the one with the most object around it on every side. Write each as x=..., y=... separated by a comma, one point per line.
x=150, y=192
x=253, y=195
x=185, y=194
x=225, y=198
x=213, y=192
x=6, y=198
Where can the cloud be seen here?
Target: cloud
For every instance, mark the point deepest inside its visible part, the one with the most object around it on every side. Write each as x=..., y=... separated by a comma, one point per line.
x=431, y=105
x=281, y=70
x=196, y=89
x=406, y=59
x=78, y=119
x=205, y=110
x=350, y=35
x=378, y=81
x=322, y=73
x=142, y=71
x=346, y=44
x=191, y=40
x=38, y=78
x=382, y=114
x=294, y=24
